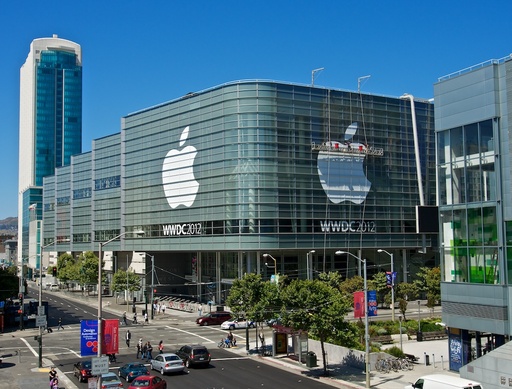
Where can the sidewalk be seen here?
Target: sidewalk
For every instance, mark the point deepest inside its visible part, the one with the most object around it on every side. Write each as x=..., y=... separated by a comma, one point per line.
x=17, y=374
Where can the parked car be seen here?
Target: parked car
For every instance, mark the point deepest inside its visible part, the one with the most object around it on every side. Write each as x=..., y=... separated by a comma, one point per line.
x=148, y=382
x=167, y=363
x=238, y=323
x=132, y=370
x=110, y=380
x=195, y=354
x=213, y=318
x=82, y=370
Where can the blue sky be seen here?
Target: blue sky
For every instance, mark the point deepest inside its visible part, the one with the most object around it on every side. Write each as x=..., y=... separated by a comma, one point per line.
x=137, y=54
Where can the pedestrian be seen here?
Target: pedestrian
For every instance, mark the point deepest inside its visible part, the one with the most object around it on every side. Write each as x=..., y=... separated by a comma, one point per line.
x=163, y=308
x=200, y=309
x=60, y=324
x=135, y=317
x=54, y=384
x=139, y=348
x=161, y=347
x=52, y=374
x=230, y=339
x=128, y=337
x=149, y=350
x=124, y=318
x=144, y=350
x=146, y=319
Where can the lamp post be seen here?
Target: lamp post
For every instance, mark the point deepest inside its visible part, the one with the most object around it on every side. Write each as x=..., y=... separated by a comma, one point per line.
x=309, y=264
x=100, y=302
x=40, y=338
x=401, y=345
x=392, y=283
x=275, y=263
x=366, y=336
x=152, y=285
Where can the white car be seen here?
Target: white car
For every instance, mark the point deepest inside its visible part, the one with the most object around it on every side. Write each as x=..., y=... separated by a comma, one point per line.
x=235, y=324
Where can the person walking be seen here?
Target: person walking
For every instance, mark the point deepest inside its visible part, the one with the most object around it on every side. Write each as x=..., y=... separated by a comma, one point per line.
x=52, y=374
x=60, y=324
x=135, y=317
x=124, y=319
x=149, y=351
x=144, y=350
x=128, y=337
x=161, y=347
x=163, y=308
x=139, y=348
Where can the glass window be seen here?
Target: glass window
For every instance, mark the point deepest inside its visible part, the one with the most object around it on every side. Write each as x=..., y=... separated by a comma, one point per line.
x=471, y=139
x=457, y=142
x=486, y=136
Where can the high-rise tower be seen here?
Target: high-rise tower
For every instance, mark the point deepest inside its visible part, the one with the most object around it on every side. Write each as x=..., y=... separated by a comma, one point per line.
x=50, y=128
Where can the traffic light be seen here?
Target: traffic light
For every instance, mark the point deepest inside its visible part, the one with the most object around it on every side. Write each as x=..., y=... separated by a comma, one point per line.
x=54, y=271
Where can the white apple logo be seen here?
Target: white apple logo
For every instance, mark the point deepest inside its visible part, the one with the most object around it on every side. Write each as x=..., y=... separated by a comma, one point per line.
x=180, y=185
x=340, y=169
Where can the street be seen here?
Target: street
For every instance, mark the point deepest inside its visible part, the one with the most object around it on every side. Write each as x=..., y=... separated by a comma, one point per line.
x=227, y=369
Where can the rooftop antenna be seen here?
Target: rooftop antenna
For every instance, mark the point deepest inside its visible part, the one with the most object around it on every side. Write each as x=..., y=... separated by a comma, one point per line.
x=313, y=73
x=364, y=78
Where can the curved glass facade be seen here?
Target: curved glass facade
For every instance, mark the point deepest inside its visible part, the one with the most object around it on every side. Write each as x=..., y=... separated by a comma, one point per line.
x=219, y=177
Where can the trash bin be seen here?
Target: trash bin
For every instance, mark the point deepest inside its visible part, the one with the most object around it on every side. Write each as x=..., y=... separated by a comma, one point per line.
x=419, y=336
x=311, y=359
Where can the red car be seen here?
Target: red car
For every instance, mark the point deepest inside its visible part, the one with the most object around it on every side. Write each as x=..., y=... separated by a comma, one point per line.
x=148, y=382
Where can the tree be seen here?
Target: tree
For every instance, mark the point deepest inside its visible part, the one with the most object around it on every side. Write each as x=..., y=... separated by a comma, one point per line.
x=255, y=298
x=429, y=282
x=64, y=263
x=125, y=280
x=317, y=307
x=406, y=292
x=10, y=282
x=380, y=285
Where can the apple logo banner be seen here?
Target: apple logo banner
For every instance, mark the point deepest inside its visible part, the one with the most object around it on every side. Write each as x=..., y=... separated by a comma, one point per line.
x=340, y=169
x=180, y=185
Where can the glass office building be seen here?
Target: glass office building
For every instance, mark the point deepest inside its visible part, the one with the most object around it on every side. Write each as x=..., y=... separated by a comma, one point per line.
x=50, y=126
x=472, y=109
x=218, y=178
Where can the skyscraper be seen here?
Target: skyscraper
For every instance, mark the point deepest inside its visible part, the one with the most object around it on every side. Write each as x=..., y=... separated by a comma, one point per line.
x=50, y=128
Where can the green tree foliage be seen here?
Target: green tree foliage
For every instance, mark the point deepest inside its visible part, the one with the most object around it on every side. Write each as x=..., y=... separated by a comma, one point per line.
x=429, y=282
x=123, y=279
x=9, y=281
x=379, y=284
x=251, y=296
x=317, y=307
x=406, y=292
x=64, y=263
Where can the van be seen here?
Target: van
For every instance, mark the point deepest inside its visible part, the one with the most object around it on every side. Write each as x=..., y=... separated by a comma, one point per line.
x=54, y=287
x=440, y=381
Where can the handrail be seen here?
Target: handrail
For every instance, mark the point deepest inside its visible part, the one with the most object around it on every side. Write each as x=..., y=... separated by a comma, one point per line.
x=474, y=67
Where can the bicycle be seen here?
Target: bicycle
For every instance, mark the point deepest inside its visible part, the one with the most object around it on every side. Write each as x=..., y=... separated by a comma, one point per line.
x=383, y=365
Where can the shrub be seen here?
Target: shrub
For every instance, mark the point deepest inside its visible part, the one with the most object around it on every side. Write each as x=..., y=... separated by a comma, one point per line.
x=395, y=351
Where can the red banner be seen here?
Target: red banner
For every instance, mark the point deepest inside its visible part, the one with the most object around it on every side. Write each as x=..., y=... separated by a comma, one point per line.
x=110, y=336
x=358, y=305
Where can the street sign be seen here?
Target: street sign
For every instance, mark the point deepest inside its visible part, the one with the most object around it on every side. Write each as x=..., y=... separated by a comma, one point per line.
x=40, y=310
x=41, y=321
x=92, y=383
x=99, y=365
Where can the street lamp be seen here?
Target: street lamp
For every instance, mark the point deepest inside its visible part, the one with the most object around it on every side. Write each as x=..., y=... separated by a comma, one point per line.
x=392, y=283
x=401, y=345
x=275, y=263
x=309, y=264
x=366, y=336
x=100, y=302
x=152, y=285
x=40, y=339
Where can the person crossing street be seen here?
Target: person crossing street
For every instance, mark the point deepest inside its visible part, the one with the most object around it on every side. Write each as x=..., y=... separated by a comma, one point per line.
x=128, y=338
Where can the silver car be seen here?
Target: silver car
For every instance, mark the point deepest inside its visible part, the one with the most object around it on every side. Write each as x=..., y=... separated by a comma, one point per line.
x=167, y=363
x=110, y=380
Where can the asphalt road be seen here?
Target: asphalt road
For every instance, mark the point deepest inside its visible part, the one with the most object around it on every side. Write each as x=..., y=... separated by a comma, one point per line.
x=227, y=370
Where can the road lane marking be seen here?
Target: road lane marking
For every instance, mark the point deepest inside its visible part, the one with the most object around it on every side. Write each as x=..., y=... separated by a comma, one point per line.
x=190, y=333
